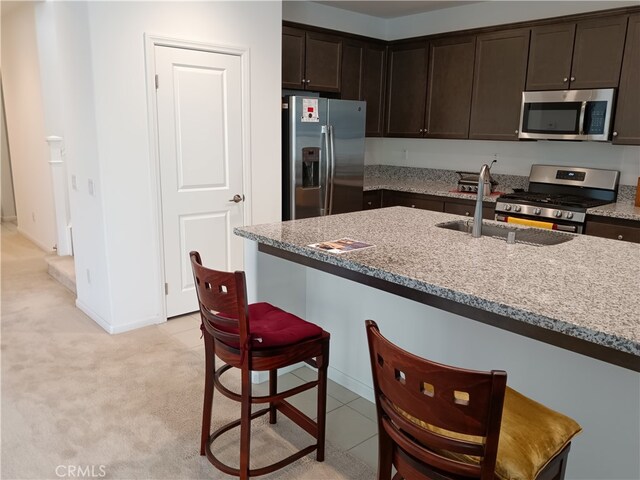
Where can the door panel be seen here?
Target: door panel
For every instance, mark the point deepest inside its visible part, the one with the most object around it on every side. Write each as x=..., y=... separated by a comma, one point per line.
x=199, y=102
x=550, y=56
x=627, y=126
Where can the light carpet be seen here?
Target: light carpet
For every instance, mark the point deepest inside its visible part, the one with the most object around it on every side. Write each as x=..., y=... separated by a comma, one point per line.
x=122, y=406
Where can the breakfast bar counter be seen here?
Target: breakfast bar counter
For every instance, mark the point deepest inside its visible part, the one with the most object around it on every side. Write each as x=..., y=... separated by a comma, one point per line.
x=587, y=290
x=562, y=320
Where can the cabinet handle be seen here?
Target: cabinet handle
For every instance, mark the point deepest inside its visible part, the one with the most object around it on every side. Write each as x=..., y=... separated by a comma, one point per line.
x=565, y=79
x=369, y=203
x=467, y=213
x=620, y=237
x=413, y=206
x=304, y=81
x=573, y=79
x=516, y=132
x=615, y=134
x=421, y=130
x=308, y=81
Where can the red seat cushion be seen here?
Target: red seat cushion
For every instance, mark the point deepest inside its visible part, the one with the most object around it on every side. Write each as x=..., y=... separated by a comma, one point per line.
x=273, y=327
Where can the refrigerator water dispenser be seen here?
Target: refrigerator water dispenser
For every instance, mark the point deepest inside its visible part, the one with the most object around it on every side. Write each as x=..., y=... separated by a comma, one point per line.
x=310, y=167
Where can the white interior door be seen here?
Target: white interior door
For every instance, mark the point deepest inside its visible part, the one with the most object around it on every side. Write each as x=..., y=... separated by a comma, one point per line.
x=199, y=101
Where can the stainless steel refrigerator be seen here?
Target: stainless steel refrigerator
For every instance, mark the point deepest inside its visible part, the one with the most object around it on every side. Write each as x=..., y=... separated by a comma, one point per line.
x=323, y=156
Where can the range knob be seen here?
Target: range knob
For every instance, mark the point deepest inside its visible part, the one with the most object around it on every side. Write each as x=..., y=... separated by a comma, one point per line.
x=537, y=211
x=569, y=214
x=557, y=213
x=507, y=207
x=517, y=208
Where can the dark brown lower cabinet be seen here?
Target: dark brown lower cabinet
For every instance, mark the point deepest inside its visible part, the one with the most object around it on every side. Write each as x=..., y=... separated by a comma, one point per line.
x=467, y=207
x=372, y=199
x=613, y=228
x=392, y=198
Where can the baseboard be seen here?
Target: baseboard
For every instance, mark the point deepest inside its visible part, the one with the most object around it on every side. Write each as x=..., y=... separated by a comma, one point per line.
x=115, y=329
x=34, y=240
x=13, y=219
x=350, y=383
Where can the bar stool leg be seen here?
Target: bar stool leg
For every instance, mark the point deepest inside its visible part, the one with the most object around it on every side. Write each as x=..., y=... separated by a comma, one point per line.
x=210, y=368
x=245, y=423
x=273, y=389
x=323, y=365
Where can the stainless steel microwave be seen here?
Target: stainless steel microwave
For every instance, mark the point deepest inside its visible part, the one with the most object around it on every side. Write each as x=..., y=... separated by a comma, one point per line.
x=567, y=115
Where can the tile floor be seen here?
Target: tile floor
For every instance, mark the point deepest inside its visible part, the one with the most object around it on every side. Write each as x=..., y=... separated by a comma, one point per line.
x=351, y=421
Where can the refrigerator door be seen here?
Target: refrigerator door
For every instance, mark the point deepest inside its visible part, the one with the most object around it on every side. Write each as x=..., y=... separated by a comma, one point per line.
x=346, y=154
x=305, y=166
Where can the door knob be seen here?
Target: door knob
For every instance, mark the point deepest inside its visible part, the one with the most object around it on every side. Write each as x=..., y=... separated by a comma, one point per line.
x=237, y=198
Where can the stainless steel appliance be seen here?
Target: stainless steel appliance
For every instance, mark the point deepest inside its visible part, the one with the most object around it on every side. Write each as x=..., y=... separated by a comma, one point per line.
x=567, y=115
x=559, y=197
x=323, y=156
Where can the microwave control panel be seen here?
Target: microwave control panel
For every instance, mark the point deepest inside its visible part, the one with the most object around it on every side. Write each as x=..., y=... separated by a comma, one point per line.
x=594, y=117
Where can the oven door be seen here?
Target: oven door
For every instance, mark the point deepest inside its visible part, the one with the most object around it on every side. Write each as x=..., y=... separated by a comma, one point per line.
x=560, y=225
x=566, y=115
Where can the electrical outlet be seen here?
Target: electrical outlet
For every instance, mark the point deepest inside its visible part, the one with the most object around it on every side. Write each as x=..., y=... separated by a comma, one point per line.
x=90, y=186
x=405, y=154
x=74, y=183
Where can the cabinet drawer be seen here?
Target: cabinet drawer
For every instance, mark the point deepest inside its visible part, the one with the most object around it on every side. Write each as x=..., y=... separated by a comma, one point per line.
x=628, y=233
x=466, y=209
x=413, y=200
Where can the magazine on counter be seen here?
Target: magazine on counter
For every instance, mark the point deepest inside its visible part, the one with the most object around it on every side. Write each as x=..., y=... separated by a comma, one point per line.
x=341, y=246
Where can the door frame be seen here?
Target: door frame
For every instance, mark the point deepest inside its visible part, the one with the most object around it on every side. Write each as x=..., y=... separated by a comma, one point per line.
x=150, y=42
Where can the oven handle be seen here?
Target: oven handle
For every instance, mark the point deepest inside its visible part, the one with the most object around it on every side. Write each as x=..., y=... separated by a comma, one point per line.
x=583, y=109
x=537, y=223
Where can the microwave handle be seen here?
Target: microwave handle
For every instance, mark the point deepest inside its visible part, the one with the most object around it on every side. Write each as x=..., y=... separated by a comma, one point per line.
x=583, y=109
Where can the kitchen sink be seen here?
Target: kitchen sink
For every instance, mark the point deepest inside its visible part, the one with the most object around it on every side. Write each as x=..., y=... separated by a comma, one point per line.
x=528, y=236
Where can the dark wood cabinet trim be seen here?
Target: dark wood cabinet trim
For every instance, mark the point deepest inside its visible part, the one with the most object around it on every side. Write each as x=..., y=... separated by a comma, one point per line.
x=574, y=344
x=626, y=129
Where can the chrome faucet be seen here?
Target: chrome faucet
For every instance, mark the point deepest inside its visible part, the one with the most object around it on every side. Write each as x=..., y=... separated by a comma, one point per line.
x=483, y=179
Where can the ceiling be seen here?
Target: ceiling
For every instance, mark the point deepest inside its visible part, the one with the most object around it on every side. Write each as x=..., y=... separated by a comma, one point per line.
x=392, y=9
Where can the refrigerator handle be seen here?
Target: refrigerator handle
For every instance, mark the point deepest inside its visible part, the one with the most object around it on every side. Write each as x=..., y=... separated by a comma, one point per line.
x=332, y=156
x=327, y=176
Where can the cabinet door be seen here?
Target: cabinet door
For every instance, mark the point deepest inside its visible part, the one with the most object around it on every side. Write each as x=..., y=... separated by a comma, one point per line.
x=372, y=199
x=597, y=54
x=293, y=41
x=550, y=56
x=406, y=90
x=499, y=79
x=450, y=83
x=627, y=123
x=352, y=70
x=373, y=84
x=627, y=231
x=323, y=62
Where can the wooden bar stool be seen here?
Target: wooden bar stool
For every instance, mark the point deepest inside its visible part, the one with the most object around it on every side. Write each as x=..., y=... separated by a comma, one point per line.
x=256, y=337
x=441, y=422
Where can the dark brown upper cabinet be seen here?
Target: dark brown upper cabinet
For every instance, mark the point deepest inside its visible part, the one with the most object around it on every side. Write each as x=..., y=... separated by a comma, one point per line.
x=406, y=89
x=579, y=55
x=450, y=83
x=626, y=128
x=363, y=78
x=498, y=81
x=311, y=60
x=373, y=87
x=352, y=69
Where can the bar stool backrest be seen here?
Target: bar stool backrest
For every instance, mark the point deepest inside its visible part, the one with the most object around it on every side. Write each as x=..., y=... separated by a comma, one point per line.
x=436, y=413
x=222, y=292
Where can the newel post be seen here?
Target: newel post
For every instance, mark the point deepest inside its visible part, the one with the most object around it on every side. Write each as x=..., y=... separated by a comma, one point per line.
x=60, y=196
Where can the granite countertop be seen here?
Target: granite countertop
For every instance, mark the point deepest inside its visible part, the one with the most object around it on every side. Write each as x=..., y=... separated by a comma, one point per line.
x=588, y=288
x=624, y=208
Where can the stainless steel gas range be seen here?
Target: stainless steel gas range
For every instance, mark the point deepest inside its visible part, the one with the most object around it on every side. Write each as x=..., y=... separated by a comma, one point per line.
x=558, y=197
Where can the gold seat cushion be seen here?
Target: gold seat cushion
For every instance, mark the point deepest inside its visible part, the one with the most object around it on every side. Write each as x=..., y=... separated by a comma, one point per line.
x=531, y=435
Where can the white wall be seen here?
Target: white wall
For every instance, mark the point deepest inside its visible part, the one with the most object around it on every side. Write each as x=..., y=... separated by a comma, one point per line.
x=310, y=13
x=485, y=14
x=7, y=203
x=107, y=137
x=25, y=125
x=513, y=157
